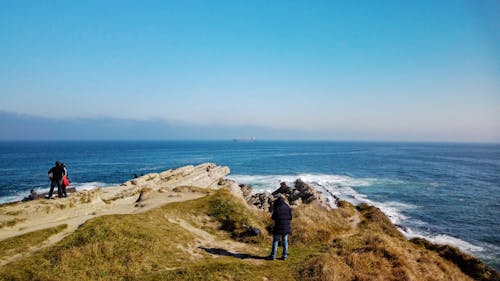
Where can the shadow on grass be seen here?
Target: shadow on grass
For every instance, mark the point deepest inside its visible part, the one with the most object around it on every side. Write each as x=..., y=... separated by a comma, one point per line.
x=224, y=252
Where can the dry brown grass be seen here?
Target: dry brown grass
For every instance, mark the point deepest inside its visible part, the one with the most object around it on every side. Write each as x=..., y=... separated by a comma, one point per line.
x=188, y=188
x=378, y=252
x=313, y=223
x=376, y=221
x=467, y=263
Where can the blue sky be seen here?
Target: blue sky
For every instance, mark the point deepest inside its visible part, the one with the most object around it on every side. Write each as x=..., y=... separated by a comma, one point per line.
x=374, y=70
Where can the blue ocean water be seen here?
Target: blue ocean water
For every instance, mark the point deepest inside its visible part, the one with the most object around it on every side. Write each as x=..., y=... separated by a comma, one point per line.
x=446, y=192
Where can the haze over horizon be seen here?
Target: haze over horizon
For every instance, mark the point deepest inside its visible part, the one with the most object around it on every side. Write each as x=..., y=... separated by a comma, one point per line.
x=385, y=70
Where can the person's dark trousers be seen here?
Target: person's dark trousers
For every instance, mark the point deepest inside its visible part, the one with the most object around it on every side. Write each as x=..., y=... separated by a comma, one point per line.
x=59, y=188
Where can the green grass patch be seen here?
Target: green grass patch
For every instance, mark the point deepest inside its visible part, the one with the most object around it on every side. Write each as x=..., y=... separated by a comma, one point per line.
x=23, y=242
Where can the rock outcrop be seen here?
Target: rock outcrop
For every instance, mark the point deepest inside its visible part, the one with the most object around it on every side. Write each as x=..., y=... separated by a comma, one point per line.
x=137, y=195
x=206, y=175
x=300, y=193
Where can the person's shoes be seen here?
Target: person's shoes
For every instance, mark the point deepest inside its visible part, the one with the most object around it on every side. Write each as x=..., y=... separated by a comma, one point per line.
x=270, y=258
x=283, y=258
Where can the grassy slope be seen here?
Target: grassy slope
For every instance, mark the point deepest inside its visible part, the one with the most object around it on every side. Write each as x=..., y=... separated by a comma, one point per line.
x=151, y=246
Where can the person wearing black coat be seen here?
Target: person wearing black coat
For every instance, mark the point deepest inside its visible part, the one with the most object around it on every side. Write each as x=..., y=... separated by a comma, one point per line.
x=282, y=216
x=56, y=174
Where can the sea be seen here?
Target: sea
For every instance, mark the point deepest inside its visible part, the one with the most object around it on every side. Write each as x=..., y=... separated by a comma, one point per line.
x=448, y=193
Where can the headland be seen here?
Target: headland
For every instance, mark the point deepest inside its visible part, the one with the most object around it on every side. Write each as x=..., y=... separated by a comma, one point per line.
x=192, y=223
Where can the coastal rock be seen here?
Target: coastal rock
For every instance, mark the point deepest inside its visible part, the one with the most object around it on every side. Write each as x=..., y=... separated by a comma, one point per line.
x=145, y=194
x=283, y=189
x=261, y=201
x=205, y=175
x=147, y=191
x=232, y=186
x=301, y=193
x=246, y=191
x=307, y=193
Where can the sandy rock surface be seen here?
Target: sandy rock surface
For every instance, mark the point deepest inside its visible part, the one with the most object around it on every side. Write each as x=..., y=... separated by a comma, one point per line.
x=134, y=196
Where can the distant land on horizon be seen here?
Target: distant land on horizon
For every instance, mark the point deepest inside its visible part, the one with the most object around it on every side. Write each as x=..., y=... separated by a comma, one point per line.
x=17, y=126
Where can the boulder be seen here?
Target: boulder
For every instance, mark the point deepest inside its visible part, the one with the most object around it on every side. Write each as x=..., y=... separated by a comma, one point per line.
x=250, y=231
x=301, y=193
x=262, y=200
x=283, y=189
x=246, y=191
x=307, y=193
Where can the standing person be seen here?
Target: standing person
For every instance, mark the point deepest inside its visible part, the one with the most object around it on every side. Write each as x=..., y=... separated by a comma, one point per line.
x=56, y=174
x=282, y=216
x=65, y=180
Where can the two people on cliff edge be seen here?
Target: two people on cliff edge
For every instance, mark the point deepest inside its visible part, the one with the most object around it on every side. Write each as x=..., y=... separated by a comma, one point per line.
x=58, y=176
x=282, y=216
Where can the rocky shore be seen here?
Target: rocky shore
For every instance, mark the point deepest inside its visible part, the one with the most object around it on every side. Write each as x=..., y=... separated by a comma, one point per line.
x=212, y=221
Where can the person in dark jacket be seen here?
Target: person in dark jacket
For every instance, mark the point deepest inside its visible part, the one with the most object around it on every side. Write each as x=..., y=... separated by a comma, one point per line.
x=56, y=174
x=282, y=216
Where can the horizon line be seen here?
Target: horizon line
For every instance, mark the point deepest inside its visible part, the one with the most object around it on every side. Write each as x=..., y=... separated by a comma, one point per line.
x=257, y=140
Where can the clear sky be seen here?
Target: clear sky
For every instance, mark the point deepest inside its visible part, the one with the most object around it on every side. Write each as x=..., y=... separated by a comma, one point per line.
x=367, y=70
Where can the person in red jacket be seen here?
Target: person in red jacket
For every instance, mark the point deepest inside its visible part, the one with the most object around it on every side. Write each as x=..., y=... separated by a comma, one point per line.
x=65, y=180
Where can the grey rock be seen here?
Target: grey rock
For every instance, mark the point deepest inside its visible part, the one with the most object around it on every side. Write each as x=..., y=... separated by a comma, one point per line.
x=301, y=193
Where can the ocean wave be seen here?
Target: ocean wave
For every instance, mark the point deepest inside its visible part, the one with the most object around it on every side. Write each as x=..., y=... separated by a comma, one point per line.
x=90, y=185
x=270, y=182
x=444, y=239
x=21, y=194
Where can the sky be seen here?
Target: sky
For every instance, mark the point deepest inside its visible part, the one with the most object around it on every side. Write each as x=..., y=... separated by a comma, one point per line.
x=338, y=70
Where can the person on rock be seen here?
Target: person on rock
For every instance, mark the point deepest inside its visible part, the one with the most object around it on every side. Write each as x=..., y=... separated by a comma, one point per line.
x=282, y=216
x=56, y=175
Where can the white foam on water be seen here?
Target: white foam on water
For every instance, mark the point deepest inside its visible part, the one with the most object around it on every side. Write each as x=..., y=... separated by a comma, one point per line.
x=444, y=239
x=90, y=185
x=341, y=186
x=271, y=182
x=11, y=198
x=21, y=194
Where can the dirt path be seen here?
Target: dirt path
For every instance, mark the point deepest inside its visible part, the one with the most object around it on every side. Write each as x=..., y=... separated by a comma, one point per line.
x=208, y=243
x=354, y=224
